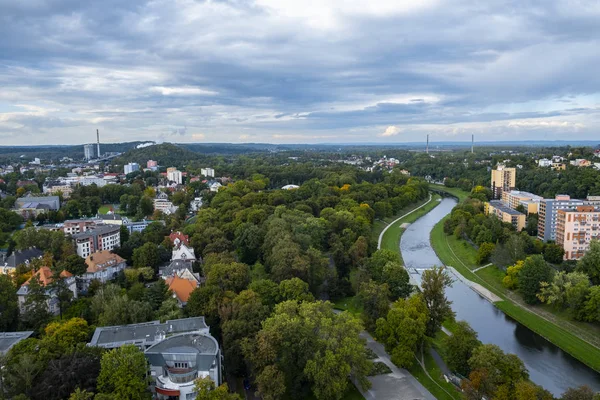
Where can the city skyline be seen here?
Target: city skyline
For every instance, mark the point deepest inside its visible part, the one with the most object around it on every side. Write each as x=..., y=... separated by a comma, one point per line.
x=283, y=72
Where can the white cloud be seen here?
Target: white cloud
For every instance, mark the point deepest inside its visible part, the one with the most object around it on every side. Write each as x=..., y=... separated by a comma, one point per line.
x=391, y=131
x=183, y=91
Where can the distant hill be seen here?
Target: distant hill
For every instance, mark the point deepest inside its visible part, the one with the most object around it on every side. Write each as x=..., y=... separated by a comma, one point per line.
x=166, y=154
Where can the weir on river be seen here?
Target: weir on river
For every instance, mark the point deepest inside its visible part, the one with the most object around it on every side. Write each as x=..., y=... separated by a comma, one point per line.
x=547, y=364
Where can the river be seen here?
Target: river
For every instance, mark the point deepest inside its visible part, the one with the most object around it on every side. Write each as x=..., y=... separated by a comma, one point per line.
x=548, y=365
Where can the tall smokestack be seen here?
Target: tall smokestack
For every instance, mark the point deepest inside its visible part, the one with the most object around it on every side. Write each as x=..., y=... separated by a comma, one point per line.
x=98, y=138
x=427, y=148
x=472, y=143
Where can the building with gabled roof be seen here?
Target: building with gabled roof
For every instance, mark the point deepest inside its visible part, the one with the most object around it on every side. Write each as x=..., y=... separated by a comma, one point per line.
x=178, y=237
x=102, y=266
x=182, y=287
x=9, y=264
x=46, y=277
x=183, y=252
x=9, y=339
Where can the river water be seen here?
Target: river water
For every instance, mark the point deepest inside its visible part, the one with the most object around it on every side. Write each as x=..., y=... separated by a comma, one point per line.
x=548, y=365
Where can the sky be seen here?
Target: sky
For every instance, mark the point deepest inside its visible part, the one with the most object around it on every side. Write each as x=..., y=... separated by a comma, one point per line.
x=290, y=71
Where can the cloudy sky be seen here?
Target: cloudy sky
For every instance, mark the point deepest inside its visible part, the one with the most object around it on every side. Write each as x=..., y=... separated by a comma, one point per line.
x=291, y=71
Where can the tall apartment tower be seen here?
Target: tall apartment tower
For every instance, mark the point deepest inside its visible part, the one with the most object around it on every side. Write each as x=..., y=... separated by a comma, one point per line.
x=503, y=180
x=88, y=151
x=575, y=229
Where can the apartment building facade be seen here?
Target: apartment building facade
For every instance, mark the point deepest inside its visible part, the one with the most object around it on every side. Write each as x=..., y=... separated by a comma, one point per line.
x=505, y=214
x=576, y=228
x=503, y=180
x=102, y=237
x=516, y=198
x=548, y=214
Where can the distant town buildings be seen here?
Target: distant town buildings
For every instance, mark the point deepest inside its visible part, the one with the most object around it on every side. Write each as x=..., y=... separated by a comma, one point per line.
x=130, y=168
x=207, y=172
x=503, y=180
x=173, y=175
x=31, y=206
x=89, y=151
x=152, y=165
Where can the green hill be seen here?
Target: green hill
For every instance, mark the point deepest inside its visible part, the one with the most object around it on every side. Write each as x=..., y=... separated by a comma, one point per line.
x=167, y=155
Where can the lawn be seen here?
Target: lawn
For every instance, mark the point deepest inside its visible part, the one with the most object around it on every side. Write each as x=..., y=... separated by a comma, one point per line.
x=456, y=192
x=559, y=333
x=434, y=385
x=350, y=304
x=380, y=224
x=105, y=208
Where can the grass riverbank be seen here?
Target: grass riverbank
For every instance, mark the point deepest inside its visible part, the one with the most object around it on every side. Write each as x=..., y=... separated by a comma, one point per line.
x=579, y=341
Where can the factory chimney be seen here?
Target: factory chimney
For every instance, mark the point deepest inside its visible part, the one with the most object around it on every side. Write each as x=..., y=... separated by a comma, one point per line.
x=98, y=138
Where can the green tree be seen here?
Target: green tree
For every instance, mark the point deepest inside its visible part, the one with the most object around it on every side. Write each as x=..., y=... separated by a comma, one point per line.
x=565, y=290
x=233, y=276
x=36, y=312
x=535, y=270
x=459, y=347
x=146, y=206
x=294, y=289
x=553, y=253
x=590, y=262
x=433, y=284
x=398, y=280
x=511, y=280
x=248, y=242
x=74, y=264
x=146, y=256
x=123, y=373
x=79, y=394
x=206, y=389
x=9, y=306
x=501, y=368
x=378, y=260
x=485, y=252
x=403, y=330
x=295, y=343
x=375, y=300
x=579, y=393
x=67, y=334
x=591, y=308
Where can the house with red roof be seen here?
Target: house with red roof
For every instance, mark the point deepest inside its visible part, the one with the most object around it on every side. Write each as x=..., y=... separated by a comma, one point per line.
x=46, y=278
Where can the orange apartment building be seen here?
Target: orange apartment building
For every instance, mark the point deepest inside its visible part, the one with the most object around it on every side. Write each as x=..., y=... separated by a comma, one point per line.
x=576, y=228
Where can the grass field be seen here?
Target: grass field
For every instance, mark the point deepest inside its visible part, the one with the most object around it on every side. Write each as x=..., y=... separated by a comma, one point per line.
x=380, y=224
x=459, y=193
x=350, y=304
x=432, y=385
x=105, y=208
x=554, y=327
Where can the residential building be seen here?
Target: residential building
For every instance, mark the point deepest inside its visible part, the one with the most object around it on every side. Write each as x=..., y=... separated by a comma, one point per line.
x=74, y=226
x=516, y=198
x=207, y=172
x=131, y=167
x=182, y=286
x=576, y=228
x=173, y=175
x=151, y=164
x=544, y=162
x=162, y=203
x=178, y=352
x=503, y=180
x=580, y=162
x=92, y=180
x=101, y=237
x=214, y=186
x=30, y=206
x=102, y=266
x=46, y=277
x=54, y=188
x=178, y=238
x=183, y=252
x=89, y=151
x=196, y=204
x=505, y=214
x=139, y=226
x=548, y=214
x=558, y=166
x=9, y=264
x=9, y=339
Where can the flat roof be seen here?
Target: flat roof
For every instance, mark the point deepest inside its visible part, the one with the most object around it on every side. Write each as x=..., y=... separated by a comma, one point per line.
x=9, y=339
x=98, y=230
x=500, y=206
x=147, y=333
x=525, y=194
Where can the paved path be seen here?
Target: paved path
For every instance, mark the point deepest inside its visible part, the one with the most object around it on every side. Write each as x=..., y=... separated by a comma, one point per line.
x=397, y=219
x=485, y=266
x=486, y=293
x=397, y=385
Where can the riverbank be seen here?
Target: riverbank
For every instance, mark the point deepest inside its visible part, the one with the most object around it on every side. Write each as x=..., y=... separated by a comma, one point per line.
x=564, y=334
